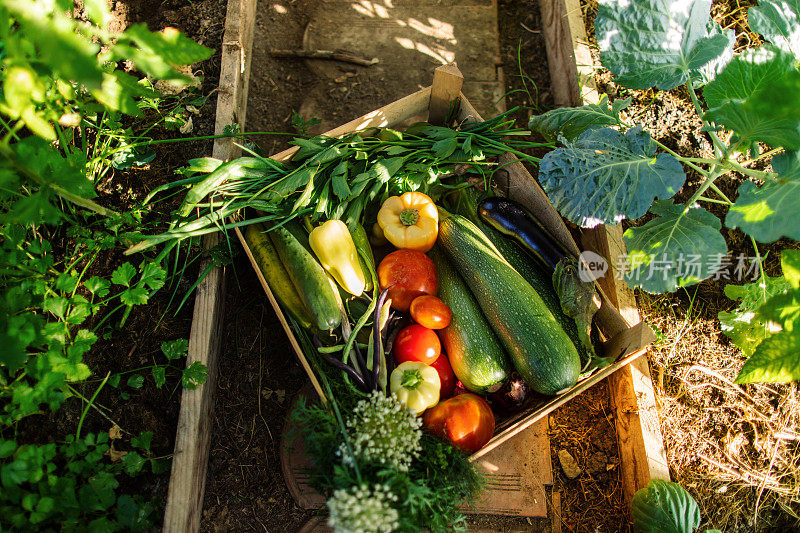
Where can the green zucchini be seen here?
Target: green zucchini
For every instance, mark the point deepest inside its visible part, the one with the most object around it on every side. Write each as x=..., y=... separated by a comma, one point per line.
x=268, y=261
x=477, y=358
x=309, y=278
x=522, y=263
x=540, y=350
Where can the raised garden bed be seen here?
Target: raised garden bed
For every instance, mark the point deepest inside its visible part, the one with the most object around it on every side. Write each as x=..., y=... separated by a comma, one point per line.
x=640, y=447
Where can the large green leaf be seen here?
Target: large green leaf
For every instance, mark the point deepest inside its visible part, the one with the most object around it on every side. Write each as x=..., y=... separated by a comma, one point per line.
x=767, y=213
x=679, y=247
x=776, y=360
x=58, y=45
x=605, y=176
x=664, y=507
x=157, y=53
x=744, y=328
x=779, y=22
x=647, y=43
x=709, y=71
x=790, y=265
x=572, y=121
x=757, y=96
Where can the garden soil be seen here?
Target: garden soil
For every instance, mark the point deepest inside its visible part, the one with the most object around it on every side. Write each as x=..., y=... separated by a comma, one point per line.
x=258, y=374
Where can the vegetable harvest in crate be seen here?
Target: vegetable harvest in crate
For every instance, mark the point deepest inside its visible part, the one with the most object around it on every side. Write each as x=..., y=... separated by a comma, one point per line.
x=429, y=309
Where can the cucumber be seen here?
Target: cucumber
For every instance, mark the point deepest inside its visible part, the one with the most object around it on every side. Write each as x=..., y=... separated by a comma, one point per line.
x=268, y=261
x=540, y=350
x=522, y=263
x=309, y=278
x=477, y=358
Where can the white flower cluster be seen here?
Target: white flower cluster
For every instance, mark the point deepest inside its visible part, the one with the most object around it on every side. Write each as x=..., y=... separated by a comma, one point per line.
x=360, y=509
x=383, y=431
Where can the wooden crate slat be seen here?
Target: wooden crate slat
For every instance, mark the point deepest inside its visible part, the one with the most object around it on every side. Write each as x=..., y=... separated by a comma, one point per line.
x=187, y=481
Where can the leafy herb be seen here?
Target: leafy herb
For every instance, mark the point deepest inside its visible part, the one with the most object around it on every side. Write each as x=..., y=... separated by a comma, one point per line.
x=336, y=178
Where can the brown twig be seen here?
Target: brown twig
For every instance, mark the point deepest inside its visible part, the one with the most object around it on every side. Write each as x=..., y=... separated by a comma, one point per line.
x=336, y=55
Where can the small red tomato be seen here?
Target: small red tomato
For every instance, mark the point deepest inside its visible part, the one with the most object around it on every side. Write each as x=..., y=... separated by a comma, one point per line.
x=417, y=343
x=409, y=274
x=431, y=312
x=446, y=376
x=465, y=420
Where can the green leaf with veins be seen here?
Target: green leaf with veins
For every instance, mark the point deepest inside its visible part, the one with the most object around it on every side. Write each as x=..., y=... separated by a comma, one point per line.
x=664, y=507
x=572, y=121
x=647, y=43
x=679, y=247
x=757, y=96
x=194, y=375
x=782, y=310
x=767, y=213
x=770, y=212
x=175, y=349
x=605, y=176
x=123, y=274
x=779, y=22
x=742, y=325
x=775, y=360
x=709, y=71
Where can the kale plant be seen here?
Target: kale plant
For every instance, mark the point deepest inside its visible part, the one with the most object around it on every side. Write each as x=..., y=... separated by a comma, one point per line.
x=609, y=170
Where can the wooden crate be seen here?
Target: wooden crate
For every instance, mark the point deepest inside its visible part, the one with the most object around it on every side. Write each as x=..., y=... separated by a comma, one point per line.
x=625, y=343
x=636, y=418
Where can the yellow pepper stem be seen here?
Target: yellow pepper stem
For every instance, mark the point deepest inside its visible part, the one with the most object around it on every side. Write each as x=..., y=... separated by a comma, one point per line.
x=409, y=216
x=411, y=379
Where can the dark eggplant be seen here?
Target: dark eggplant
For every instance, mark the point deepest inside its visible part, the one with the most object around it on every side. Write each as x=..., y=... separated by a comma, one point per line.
x=511, y=219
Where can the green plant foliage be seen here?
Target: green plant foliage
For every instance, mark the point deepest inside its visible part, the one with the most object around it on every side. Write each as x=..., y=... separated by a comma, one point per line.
x=679, y=247
x=69, y=486
x=778, y=21
x=775, y=359
x=606, y=176
x=656, y=43
x=572, y=121
x=749, y=98
x=767, y=213
x=664, y=507
x=757, y=96
x=741, y=325
x=66, y=116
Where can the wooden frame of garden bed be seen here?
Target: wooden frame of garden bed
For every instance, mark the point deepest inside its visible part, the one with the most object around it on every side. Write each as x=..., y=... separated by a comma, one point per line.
x=571, y=68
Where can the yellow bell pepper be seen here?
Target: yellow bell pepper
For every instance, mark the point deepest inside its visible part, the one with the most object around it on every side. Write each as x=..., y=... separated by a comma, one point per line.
x=416, y=385
x=334, y=247
x=410, y=221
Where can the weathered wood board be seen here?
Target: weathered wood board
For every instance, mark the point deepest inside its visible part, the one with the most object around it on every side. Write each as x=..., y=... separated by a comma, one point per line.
x=187, y=481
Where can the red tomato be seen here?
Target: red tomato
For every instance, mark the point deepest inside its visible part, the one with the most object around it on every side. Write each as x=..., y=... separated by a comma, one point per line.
x=431, y=312
x=465, y=420
x=416, y=343
x=410, y=273
x=446, y=376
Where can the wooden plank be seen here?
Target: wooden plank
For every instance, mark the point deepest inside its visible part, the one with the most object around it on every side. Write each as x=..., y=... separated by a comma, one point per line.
x=532, y=417
x=641, y=444
x=516, y=475
x=446, y=88
x=187, y=482
x=384, y=117
x=555, y=512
